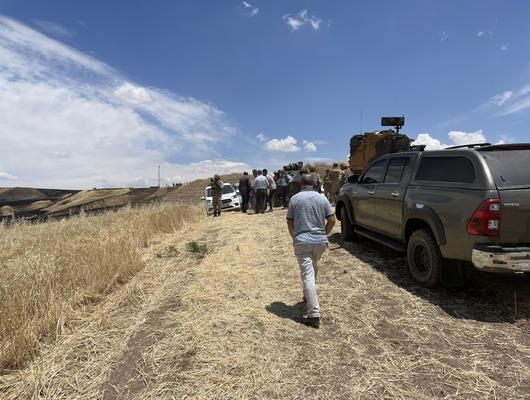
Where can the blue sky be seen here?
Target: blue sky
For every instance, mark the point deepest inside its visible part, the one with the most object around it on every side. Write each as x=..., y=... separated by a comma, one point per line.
x=99, y=93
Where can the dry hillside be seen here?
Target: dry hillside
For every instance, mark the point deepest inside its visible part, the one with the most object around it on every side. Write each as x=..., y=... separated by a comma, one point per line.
x=32, y=202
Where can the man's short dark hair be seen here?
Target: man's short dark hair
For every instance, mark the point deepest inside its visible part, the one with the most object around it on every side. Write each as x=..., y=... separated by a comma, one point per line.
x=306, y=180
x=264, y=171
x=259, y=172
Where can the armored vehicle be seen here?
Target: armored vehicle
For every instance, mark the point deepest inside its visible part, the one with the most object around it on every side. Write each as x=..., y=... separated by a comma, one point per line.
x=365, y=148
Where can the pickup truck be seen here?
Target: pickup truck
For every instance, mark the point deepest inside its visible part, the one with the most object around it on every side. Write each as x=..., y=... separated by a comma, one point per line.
x=470, y=204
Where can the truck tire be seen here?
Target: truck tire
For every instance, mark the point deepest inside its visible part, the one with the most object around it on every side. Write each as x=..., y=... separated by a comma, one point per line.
x=424, y=258
x=346, y=228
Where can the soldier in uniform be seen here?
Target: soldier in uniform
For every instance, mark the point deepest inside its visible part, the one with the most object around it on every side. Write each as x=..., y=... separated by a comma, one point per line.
x=217, y=193
x=344, y=173
x=334, y=175
x=327, y=184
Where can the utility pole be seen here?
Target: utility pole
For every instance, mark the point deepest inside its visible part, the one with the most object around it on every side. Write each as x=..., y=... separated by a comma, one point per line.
x=159, y=176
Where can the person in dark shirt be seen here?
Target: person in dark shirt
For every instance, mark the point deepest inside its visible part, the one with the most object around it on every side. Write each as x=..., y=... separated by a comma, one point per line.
x=244, y=190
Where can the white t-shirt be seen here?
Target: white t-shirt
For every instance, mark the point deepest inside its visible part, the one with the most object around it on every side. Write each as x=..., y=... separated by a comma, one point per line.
x=272, y=184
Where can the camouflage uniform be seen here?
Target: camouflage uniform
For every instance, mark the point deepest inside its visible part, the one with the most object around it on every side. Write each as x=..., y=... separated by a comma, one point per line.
x=327, y=184
x=344, y=173
x=335, y=184
x=217, y=193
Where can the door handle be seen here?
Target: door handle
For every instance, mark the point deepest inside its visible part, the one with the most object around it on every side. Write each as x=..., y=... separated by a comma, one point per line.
x=371, y=192
x=395, y=194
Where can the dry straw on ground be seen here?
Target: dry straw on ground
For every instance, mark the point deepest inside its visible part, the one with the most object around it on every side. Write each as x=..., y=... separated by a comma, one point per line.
x=49, y=269
x=226, y=326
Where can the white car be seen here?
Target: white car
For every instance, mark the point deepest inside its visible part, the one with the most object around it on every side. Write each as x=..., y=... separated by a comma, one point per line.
x=229, y=200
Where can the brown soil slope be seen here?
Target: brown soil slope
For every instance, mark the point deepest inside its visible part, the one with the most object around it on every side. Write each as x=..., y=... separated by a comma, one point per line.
x=31, y=202
x=223, y=324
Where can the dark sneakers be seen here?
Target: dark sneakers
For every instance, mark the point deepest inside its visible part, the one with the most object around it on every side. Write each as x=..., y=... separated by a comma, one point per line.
x=313, y=322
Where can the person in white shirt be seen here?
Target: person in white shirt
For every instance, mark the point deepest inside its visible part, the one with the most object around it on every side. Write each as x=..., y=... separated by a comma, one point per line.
x=272, y=188
x=261, y=184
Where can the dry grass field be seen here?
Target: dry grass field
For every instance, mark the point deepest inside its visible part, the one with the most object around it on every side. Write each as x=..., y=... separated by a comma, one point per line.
x=49, y=271
x=214, y=315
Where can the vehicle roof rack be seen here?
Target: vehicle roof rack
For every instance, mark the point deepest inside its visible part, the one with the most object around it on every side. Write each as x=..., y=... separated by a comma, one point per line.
x=468, y=146
x=506, y=146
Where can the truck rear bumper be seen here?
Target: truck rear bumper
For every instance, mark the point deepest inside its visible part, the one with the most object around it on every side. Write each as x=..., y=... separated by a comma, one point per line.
x=501, y=259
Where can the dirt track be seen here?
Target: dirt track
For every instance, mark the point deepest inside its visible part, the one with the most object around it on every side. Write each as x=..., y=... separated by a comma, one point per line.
x=226, y=326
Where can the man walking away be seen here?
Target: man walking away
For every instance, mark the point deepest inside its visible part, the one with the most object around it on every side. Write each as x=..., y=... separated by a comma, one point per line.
x=272, y=188
x=217, y=192
x=309, y=220
x=261, y=185
x=244, y=190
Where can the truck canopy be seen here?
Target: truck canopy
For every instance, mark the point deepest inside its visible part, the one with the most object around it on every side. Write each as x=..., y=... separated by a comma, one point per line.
x=509, y=168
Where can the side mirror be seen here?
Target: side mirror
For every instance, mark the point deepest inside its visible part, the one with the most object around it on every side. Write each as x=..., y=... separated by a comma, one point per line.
x=202, y=197
x=353, y=178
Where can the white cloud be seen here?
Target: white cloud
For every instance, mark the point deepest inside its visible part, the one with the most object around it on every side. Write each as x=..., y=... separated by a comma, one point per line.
x=504, y=47
x=457, y=138
x=7, y=176
x=510, y=102
x=502, y=98
x=71, y=121
x=261, y=137
x=287, y=145
x=443, y=36
x=53, y=28
x=484, y=33
x=460, y=138
x=301, y=19
x=130, y=93
x=309, y=146
x=252, y=11
x=430, y=142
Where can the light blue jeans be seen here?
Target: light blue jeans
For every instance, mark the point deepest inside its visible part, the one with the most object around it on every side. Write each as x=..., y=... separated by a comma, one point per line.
x=308, y=256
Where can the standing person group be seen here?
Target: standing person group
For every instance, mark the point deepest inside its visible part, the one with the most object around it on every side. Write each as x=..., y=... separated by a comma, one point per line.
x=257, y=191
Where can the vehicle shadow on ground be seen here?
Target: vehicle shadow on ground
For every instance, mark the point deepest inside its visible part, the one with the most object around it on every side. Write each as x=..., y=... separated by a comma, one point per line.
x=484, y=297
x=293, y=312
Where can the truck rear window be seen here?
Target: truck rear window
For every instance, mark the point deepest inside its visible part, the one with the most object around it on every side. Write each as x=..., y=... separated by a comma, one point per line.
x=509, y=168
x=446, y=169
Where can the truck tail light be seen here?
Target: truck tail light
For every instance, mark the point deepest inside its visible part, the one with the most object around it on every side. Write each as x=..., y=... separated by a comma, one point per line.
x=486, y=220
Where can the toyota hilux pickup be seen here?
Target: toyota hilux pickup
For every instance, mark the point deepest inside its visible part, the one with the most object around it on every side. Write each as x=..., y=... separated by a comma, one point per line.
x=469, y=204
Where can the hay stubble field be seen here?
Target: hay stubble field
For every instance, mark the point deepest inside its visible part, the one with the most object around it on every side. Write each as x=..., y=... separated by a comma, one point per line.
x=213, y=314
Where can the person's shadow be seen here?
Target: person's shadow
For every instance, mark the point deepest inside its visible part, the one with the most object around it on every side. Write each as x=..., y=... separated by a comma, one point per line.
x=283, y=310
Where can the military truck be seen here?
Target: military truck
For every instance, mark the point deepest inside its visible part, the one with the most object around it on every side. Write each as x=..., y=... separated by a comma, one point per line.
x=371, y=145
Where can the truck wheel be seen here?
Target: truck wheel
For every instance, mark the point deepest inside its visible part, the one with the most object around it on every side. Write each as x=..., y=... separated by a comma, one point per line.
x=346, y=228
x=424, y=258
